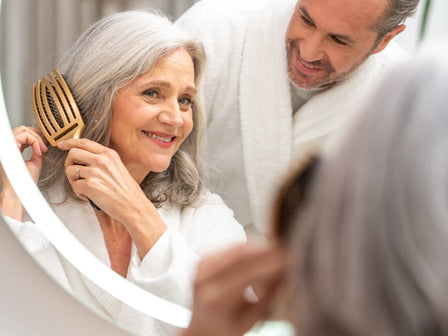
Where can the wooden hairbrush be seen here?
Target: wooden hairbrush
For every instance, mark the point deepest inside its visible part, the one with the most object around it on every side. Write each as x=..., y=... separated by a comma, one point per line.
x=56, y=111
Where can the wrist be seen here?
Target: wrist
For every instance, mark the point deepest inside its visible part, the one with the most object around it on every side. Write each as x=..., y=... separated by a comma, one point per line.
x=145, y=226
x=10, y=204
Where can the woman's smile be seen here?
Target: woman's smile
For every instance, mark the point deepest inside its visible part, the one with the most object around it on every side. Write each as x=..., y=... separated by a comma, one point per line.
x=164, y=140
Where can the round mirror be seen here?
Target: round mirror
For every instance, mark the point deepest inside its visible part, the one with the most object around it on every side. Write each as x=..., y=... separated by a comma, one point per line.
x=57, y=234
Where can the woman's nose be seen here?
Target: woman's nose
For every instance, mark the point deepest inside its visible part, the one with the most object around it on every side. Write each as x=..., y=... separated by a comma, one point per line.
x=171, y=114
x=311, y=48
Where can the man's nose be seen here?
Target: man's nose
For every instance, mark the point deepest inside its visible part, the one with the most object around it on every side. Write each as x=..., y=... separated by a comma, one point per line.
x=312, y=48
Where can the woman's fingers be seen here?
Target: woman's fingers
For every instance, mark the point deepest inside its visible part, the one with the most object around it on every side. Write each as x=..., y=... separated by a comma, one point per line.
x=89, y=153
x=220, y=297
x=96, y=172
x=30, y=136
x=224, y=279
x=223, y=266
x=85, y=144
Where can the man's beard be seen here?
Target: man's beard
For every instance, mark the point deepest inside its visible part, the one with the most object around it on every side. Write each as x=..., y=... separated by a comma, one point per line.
x=324, y=82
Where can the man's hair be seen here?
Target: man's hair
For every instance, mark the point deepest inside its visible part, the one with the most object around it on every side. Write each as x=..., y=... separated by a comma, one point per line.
x=397, y=11
x=109, y=55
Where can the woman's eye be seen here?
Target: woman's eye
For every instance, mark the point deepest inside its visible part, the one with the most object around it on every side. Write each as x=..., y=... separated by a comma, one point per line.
x=151, y=93
x=185, y=101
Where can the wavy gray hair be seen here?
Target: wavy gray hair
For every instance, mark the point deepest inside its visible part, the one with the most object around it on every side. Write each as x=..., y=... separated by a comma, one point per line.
x=109, y=55
x=372, y=238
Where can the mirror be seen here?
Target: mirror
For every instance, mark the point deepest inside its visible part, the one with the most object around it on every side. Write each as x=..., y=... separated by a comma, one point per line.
x=39, y=211
x=32, y=303
x=70, y=254
x=69, y=247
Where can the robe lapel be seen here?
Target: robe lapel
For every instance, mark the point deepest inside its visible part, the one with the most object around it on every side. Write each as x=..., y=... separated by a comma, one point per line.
x=266, y=113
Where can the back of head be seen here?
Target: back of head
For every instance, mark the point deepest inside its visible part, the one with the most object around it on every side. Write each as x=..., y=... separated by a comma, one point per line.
x=371, y=240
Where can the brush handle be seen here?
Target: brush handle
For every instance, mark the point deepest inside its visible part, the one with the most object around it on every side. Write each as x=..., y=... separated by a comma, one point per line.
x=94, y=205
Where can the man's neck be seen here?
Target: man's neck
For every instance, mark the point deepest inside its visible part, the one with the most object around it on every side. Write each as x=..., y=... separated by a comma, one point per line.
x=300, y=96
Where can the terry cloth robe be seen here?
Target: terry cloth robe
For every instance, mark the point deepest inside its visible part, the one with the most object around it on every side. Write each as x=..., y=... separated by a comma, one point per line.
x=167, y=270
x=253, y=134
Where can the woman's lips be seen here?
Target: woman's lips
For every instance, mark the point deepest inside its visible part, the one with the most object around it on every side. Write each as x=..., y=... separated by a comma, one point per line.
x=164, y=140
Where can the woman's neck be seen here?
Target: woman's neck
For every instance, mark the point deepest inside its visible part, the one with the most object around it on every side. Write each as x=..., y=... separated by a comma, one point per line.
x=118, y=243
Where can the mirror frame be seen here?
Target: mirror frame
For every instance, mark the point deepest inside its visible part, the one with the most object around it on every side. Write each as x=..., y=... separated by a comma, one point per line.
x=33, y=303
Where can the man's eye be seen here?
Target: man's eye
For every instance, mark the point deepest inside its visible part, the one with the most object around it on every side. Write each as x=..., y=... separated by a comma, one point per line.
x=339, y=41
x=306, y=21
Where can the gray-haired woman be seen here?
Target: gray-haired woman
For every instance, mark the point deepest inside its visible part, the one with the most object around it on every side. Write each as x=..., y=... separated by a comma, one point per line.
x=371, y=238
x=365, y=227
x=135, y=78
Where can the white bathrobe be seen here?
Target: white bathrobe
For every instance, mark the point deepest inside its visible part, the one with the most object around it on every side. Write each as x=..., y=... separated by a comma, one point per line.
x=167, y=270
x=254, y=136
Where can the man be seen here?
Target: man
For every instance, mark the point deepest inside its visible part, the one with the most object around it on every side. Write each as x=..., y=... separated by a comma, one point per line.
x=282, y=76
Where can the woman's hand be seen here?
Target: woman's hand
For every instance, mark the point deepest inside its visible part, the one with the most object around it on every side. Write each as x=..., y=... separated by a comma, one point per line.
x=221, y=306
x=31, y=137
x=97, y=173
x=25, y=137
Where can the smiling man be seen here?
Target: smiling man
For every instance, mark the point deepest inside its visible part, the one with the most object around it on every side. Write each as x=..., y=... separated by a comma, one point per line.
x=283, y=76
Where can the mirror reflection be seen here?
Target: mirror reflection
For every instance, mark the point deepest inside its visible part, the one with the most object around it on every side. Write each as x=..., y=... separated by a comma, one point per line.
x=143, y=122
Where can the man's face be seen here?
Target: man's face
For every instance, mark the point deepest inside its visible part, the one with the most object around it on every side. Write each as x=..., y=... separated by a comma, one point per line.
x=327, y=40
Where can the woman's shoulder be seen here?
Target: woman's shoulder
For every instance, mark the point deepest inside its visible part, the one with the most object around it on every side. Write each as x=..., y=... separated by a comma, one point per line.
x=208, y=225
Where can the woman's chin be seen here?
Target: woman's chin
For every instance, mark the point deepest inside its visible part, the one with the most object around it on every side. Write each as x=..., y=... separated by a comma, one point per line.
x=158, y=167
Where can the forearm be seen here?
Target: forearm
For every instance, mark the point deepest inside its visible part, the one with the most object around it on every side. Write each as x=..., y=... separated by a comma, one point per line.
x=10, y=204
x=145, y=226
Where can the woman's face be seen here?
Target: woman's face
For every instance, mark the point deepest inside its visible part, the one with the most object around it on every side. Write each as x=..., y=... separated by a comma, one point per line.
x=152, y=115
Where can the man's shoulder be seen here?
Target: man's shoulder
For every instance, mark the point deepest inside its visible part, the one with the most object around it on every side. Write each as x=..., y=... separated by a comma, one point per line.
x=377, y=64
x=393, y=53
x=233, y=8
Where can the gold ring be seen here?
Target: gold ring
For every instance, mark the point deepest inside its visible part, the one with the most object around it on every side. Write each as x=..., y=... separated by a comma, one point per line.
x=78, y=176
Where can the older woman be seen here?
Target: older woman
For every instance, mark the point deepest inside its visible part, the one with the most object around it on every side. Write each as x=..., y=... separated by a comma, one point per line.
x=366, y=227
x=135, y=78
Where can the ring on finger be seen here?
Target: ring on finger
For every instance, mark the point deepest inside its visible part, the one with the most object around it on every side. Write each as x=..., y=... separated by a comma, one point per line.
x=78, y=169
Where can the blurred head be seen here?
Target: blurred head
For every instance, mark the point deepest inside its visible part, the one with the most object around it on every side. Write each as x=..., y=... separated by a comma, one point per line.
x=371, y=236
x=111, y=55
x=328, y=40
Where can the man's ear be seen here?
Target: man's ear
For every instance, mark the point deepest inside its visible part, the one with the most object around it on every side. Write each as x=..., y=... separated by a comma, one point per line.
x=388, y=37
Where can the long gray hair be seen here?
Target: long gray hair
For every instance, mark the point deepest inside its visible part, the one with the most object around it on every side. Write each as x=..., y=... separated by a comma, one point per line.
x=109, y=55
x=371, y=239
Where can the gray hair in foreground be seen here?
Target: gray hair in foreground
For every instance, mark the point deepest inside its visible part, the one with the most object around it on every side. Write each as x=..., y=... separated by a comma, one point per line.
x=371, y=240
x=109, y=55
